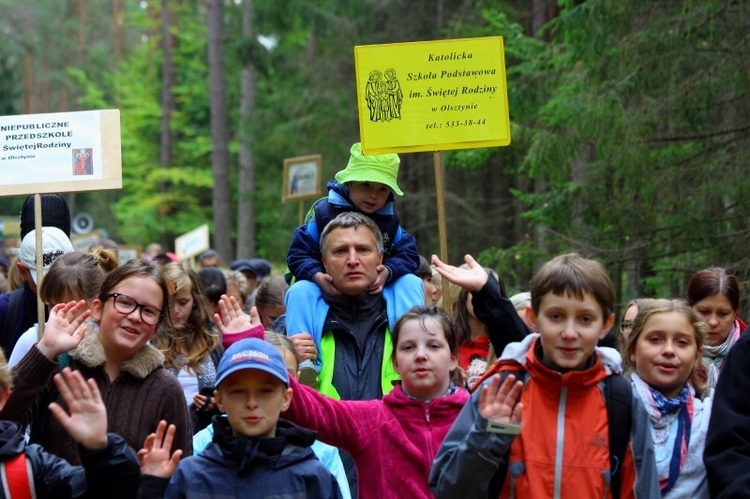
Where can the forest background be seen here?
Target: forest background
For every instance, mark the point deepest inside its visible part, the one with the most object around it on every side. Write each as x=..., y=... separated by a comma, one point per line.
x=630, y=123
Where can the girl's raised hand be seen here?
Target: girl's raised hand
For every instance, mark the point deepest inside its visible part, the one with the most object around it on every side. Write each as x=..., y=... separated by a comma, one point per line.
x=498, y=402
x=65, y=328
x=231, y=319
x=87, y=422
x=155, y=457
x=471, y=279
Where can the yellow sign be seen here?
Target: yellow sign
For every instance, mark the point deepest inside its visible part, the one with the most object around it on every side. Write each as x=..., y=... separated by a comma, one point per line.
x=432, y=96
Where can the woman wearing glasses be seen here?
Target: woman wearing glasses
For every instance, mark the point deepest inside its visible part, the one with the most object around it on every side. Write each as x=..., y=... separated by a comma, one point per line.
x=114, y=351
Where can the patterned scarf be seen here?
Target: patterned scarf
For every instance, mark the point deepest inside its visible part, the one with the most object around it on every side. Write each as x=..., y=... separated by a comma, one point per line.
x=671, y=419
x=718, y=353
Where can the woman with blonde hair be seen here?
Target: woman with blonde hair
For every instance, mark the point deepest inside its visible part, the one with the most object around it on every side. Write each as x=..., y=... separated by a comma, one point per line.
x=192, y=347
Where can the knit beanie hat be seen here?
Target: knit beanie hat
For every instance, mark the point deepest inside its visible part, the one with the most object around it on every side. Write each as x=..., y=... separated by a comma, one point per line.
x=381, y=168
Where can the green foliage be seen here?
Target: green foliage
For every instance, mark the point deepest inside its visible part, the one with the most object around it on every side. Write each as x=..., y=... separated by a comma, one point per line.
x=630, y=139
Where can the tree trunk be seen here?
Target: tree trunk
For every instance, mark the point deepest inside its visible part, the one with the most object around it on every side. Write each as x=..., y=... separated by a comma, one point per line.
x=167, y=96
x=167, y=102
x=542, y=11
x=219, y=133
x=245, y=206
x=118, y=27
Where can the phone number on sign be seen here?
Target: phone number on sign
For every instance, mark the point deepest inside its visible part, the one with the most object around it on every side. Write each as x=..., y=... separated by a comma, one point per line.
x=456, y=123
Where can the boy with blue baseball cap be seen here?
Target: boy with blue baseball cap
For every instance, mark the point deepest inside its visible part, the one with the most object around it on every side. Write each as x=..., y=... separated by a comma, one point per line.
x=252, y=449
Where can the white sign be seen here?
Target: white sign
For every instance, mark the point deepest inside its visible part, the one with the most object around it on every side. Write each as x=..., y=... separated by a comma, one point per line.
x=192, y=243
x=60, y=152
x=302, y=178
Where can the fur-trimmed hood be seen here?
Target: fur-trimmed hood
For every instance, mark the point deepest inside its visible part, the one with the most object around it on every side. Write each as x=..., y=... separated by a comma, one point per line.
x=90, y=352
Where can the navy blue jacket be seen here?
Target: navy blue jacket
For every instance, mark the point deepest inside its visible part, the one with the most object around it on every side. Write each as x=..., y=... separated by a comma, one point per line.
x=304, y=258
x=111, y=472
x=25, y=317
x=231, y=466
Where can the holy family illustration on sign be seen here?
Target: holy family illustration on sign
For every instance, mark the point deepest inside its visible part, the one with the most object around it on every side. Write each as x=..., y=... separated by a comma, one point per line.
x=384, y=96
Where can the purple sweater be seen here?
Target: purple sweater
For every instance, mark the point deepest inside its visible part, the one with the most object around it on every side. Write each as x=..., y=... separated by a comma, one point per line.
x=393, y=441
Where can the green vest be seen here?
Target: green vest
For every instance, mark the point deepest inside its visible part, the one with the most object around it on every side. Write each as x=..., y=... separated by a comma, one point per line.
x=388, y=373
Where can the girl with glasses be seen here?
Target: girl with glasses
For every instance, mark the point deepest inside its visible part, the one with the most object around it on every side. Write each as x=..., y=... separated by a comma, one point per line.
x=114, y=351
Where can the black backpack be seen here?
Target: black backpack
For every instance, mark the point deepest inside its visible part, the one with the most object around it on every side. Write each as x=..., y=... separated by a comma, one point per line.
x=618, y=395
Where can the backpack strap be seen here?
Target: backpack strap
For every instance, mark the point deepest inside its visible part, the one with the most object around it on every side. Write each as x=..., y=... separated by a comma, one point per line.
x=619, y=399
x=18, y=478
x=498, y=479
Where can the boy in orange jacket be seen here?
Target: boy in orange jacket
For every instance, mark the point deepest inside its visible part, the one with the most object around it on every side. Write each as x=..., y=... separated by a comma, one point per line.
x=562, y=448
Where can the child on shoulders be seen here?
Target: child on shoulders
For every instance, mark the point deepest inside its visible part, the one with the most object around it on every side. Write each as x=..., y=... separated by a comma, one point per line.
x=367, y=185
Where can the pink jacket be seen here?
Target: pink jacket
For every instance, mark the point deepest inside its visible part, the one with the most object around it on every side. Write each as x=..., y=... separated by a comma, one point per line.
x=393, y=441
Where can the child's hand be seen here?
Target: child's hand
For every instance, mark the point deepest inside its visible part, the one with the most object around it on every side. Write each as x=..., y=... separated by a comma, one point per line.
x=231, y=319
x=325, y=282
x=87, y=422
x=199, y=401
x=64, y=329
x=154, y=456
x=377, y=286
x=305, y=346
x=471, y=279
x=498, y=402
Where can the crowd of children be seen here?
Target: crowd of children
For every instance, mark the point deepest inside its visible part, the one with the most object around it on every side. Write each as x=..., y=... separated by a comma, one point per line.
x=506, y=397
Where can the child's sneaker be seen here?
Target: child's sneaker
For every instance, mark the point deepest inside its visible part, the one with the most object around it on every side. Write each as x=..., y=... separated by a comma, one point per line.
x=308, y=374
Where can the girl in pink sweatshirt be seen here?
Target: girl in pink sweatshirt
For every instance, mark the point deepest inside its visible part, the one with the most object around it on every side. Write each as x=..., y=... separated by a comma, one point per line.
x=394, y=440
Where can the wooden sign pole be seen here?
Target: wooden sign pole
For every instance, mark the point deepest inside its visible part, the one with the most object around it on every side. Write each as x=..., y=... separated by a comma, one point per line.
x=442, y=233
x=39, y=263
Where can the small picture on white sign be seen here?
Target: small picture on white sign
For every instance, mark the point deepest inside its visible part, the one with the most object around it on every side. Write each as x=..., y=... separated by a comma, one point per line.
x=83, y=163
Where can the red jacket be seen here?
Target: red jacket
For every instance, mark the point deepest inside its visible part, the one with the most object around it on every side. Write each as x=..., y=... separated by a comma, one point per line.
x=393, y=441
x=563, y=448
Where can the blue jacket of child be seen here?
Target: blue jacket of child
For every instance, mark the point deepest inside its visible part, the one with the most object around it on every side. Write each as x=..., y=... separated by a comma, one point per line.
x=304, y=257
x=235, y=466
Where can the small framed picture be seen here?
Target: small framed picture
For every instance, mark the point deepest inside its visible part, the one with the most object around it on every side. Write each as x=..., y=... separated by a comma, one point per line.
x=302, y=178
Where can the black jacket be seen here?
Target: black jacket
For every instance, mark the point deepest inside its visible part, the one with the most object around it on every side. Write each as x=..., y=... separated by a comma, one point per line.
x=727, y=452
x=111, y=472
x=236, y=466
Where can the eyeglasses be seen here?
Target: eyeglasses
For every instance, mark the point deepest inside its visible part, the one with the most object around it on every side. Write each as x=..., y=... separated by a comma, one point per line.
x=125, y=305
x=626, y=326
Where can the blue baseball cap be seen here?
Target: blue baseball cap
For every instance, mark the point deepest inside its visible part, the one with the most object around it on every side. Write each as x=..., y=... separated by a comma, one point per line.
x=252, y=353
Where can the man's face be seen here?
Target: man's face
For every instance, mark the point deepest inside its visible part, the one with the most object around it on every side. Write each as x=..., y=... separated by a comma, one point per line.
x=352, y=259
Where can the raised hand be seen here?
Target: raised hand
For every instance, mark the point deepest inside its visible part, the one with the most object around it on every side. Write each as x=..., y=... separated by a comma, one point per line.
x=231, y=319
x=377, y=286
x=471, y=279
x=87, y=422
x=498, y=402
x=325, y=282
x=155, y=455
x=65, y=328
